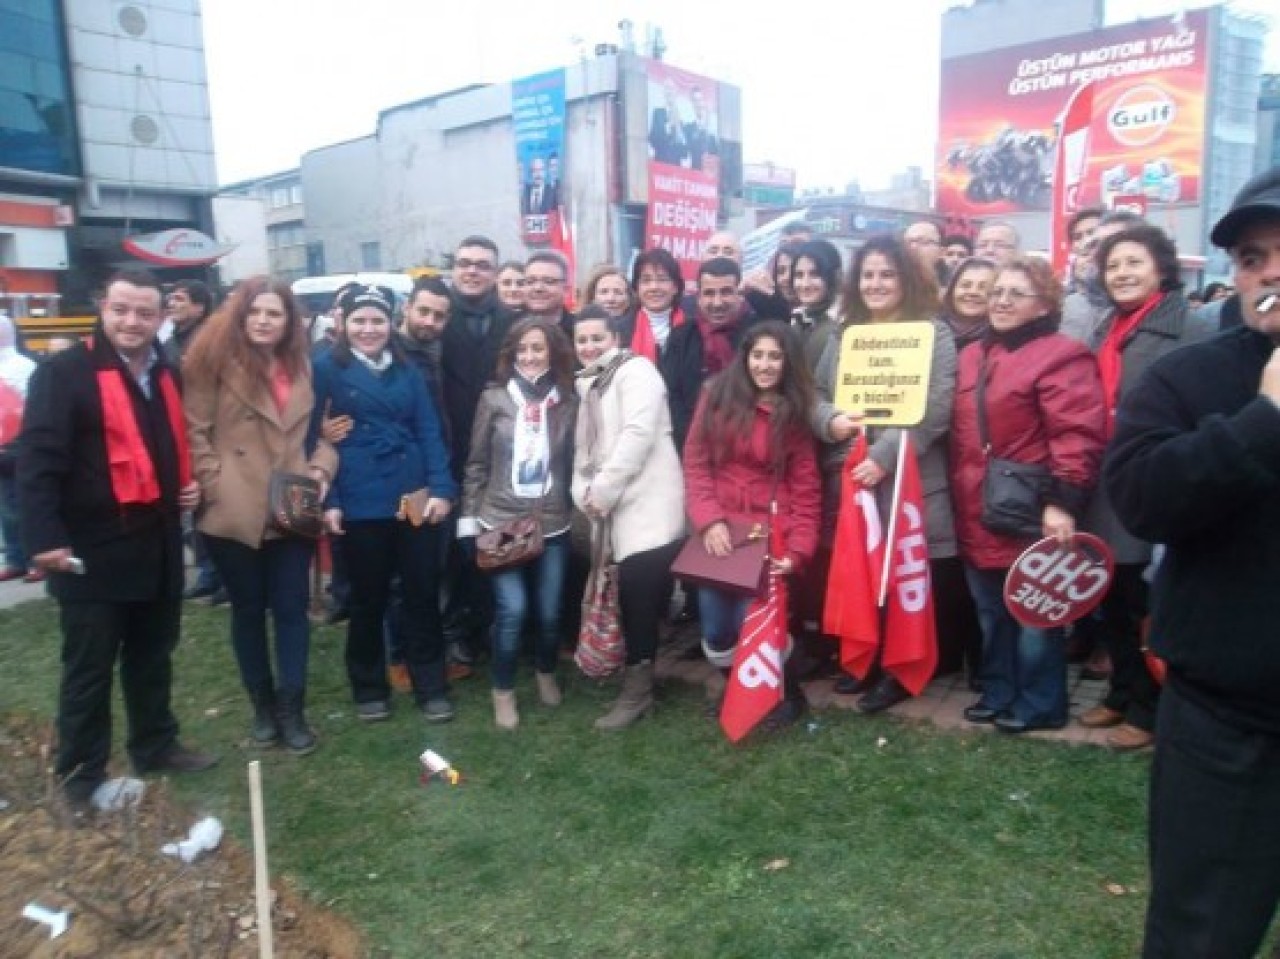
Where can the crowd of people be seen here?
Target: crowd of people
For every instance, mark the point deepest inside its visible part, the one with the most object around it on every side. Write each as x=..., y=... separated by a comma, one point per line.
x=658, y=413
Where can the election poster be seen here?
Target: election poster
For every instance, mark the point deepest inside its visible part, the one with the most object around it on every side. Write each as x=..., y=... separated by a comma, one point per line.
x=538, y=113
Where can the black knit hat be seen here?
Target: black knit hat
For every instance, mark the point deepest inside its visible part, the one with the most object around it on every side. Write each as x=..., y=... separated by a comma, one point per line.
x=361, y=294
x=1258, y=199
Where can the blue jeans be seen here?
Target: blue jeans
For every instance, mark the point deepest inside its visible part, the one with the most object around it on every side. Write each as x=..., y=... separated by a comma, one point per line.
x=274, y=578
x=1024, y=671
x=543, y=581
x=14, y=555
x=722, y=615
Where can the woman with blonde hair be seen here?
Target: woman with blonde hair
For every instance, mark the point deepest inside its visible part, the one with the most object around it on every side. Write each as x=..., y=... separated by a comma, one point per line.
x=249, y=404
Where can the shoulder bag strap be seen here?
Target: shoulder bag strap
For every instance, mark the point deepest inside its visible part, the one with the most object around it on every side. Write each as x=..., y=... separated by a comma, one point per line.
x=984, y=438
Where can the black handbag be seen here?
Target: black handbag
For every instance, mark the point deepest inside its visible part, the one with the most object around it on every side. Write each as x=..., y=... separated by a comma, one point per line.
x=1013, y=493
x=293, y=502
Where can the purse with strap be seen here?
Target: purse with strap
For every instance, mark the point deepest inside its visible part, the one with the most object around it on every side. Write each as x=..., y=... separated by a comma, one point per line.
x=513, y=543
x=1012, y=492
x=293, y=504
x=745, y=570
x=601, y=649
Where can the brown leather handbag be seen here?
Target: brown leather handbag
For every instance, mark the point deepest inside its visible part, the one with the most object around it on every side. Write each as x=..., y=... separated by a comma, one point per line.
x=741, y=572
x=513, y=543
x=293, y=502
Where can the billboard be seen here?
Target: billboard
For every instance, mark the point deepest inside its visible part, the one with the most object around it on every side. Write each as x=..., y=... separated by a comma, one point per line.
x=999, y=113
x=537, y=113
x=684, y=163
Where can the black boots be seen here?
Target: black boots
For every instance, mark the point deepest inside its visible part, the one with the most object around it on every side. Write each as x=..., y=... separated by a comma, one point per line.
x=294, y=731
x=266, y=727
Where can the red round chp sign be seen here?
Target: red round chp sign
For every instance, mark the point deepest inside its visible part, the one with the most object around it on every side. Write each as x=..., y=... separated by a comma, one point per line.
x=1053, y=585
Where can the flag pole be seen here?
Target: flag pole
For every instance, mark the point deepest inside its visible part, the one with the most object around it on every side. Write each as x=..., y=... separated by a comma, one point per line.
x=894, y=503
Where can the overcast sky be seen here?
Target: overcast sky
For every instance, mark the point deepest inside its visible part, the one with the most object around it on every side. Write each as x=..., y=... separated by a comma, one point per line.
x=838, y=90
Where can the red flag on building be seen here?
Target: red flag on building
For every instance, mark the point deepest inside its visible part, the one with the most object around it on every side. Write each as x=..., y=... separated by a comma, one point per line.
x=755, y=681
x=910, y=633
x=562, y=242
x=857, y=555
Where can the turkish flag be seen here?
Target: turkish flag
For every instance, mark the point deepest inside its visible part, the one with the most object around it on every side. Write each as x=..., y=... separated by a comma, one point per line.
x=755, y=681
x=857, y=556
x=1069, y=166
x=910, y=632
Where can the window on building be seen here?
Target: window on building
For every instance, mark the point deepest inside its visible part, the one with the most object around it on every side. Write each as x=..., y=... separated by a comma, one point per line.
x=295, y=194
x=371, y=256
x=37, y=125
x=279, y=197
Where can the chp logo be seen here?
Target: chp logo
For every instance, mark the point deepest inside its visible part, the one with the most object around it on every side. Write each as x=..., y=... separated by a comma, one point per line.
x=1141, y=115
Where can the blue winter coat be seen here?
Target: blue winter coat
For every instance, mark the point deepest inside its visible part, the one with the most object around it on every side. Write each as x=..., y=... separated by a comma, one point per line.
x=396, y=445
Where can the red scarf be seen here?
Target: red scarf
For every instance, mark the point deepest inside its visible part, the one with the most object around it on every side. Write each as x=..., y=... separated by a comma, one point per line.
x=717, y=344
x=133, y=474
x=1110, y=358
x=642, y=339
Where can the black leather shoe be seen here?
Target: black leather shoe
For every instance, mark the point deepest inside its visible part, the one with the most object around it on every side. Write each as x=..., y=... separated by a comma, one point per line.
x=180, y=759
x=848, y=685
x=887, y=693
x=981, y=713
x=339, y=614
x=197, y=592
x=786, y=713
x=1015, y=726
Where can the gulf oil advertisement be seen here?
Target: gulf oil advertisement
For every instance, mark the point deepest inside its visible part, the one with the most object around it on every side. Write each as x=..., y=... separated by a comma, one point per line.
x=999, y=112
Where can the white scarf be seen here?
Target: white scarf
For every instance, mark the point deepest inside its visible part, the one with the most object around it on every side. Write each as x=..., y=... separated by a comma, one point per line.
x=531, y=449
x=380, y=365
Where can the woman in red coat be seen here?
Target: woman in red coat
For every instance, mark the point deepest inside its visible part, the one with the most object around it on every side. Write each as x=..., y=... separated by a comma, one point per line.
x=1044, y=404
x=750, y=445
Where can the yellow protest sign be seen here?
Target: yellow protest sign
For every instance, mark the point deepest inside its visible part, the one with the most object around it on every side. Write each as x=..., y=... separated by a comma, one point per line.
x=883, y=372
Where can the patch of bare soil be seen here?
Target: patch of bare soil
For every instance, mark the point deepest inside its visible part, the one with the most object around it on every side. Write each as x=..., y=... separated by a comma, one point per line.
x=126, y=899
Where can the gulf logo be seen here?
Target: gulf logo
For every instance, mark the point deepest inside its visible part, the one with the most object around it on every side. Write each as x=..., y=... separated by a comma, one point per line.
x=1141, y=115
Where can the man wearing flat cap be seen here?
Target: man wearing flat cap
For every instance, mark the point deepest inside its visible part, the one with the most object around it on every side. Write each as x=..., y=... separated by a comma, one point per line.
x=1195, y=464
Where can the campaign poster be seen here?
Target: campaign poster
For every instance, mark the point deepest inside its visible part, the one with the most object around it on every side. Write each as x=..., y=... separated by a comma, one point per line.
x=999, y=113
x=684, y=163
x=537, y=113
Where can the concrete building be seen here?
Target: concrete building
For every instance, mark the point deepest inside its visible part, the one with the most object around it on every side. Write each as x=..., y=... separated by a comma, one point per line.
x=442, y=167
x=104, y=133
x=1268, y=150
x=282, y=224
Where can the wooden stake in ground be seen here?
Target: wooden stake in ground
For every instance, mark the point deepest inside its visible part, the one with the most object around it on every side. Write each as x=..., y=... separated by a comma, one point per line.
x=261, y=881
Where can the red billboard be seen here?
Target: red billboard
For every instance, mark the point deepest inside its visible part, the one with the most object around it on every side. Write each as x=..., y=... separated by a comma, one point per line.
x=684, y=163
x=999, y=111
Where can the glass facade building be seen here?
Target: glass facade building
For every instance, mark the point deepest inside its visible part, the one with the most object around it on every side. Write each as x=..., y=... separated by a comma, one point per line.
x=37, y=119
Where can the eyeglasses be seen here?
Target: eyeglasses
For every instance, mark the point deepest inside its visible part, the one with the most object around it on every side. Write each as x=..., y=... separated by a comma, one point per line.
x=483, y=266
x=922, y=241
x=543, y=280
x=1017, y=296
x=997, y=245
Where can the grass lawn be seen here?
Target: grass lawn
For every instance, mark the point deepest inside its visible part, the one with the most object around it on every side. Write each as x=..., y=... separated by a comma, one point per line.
x=852, y=837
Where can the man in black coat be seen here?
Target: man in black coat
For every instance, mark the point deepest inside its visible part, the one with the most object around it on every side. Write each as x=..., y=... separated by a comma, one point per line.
x=469, y=346
x=1195, y=465
x=103, y=476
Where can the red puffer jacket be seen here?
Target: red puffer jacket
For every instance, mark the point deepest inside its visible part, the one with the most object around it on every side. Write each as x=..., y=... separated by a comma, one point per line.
x=739, y=489
x=1044, y=405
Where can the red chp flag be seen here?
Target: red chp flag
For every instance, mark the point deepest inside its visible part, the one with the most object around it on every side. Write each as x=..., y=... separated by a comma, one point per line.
x=910, y=632
x=857, y=556
x=1069, y=166
x=755, y=681
x=562, y=242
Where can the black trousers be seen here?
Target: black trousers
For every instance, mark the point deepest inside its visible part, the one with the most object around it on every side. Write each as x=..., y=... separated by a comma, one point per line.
x=959, y=633
x=1214, y=838
x=1132, y=691
x=143, y=636
x=643, y=579
x=377, y=550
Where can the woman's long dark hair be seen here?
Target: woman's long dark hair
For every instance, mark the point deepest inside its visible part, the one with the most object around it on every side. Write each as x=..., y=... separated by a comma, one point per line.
x=222, y=339
x=732, y=397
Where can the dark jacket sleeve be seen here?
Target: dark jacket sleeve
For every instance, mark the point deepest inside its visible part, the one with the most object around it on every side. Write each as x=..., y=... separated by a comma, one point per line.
x=45, y=458
x=430, y=440
x=322, y=386
x=1172, y=475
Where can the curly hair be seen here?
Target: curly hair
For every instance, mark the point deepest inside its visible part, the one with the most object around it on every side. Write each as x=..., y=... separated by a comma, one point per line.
x=1156, y=242
x=919, y=288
